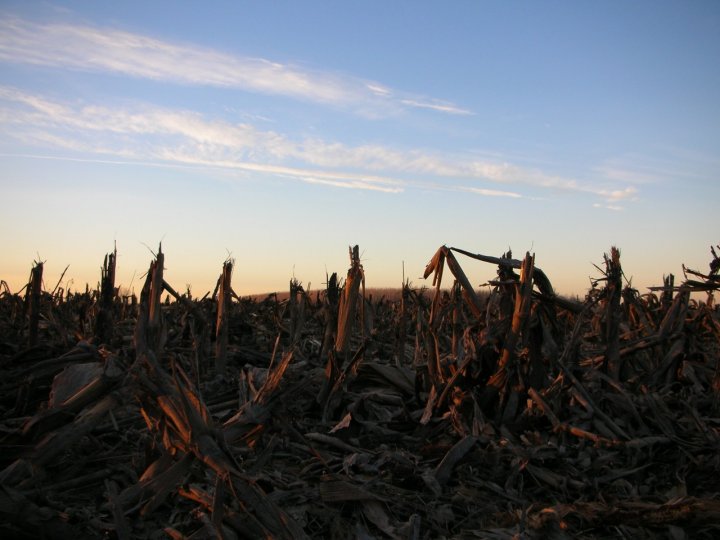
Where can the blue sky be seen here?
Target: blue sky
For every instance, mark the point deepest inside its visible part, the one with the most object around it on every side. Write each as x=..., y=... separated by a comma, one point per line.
x=279, y=133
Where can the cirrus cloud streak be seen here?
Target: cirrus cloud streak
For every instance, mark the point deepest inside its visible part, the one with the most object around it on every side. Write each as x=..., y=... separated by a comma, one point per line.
x=109, y=50
x=145, y=132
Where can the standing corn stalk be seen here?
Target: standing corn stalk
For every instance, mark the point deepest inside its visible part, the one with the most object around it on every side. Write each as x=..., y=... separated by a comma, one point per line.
x=296, y=305
x=348, y=302
x=104, y=320
x=667, y=292
x=401, y=336
x=522, y=308
x=338, y=366
x=613, y=292
x=156, y=330
x=32, y=298
x=223, y=314
x=457, y=319
x=329, y=311
x=436, y=267
x=501, y=380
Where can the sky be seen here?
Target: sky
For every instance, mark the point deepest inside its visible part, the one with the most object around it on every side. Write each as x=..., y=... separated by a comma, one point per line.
x=280, y=133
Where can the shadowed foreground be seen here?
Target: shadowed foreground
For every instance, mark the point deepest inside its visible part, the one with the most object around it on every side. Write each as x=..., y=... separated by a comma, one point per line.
x=443, y=414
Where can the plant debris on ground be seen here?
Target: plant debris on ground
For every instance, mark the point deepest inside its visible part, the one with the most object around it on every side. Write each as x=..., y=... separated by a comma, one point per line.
x=444, y=413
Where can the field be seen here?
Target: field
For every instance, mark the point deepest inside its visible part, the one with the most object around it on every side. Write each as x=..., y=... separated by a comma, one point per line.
x=408, y=414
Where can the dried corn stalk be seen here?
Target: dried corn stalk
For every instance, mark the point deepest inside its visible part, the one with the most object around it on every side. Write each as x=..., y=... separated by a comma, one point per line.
x=222, y=322
x=613, y=291
x=502, y=380
x=104, y=320
x=32, y=298
x=156, y=331
x=348, y=302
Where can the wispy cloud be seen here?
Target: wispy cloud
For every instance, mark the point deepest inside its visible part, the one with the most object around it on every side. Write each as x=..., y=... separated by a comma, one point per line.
x=613, y=207
x=627, y=175
x=436, y=106
x=669, y=165
x=352, y=184
x=491, y=192
x=619, y=194
x=613, y=198
x=144, y=132
x=90, y=48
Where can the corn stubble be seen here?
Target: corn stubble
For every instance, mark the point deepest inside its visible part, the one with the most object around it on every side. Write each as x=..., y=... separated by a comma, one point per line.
x=444, y=413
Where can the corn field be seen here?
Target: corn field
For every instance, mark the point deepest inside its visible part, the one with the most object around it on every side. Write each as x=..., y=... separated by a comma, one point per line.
x=444, y=413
